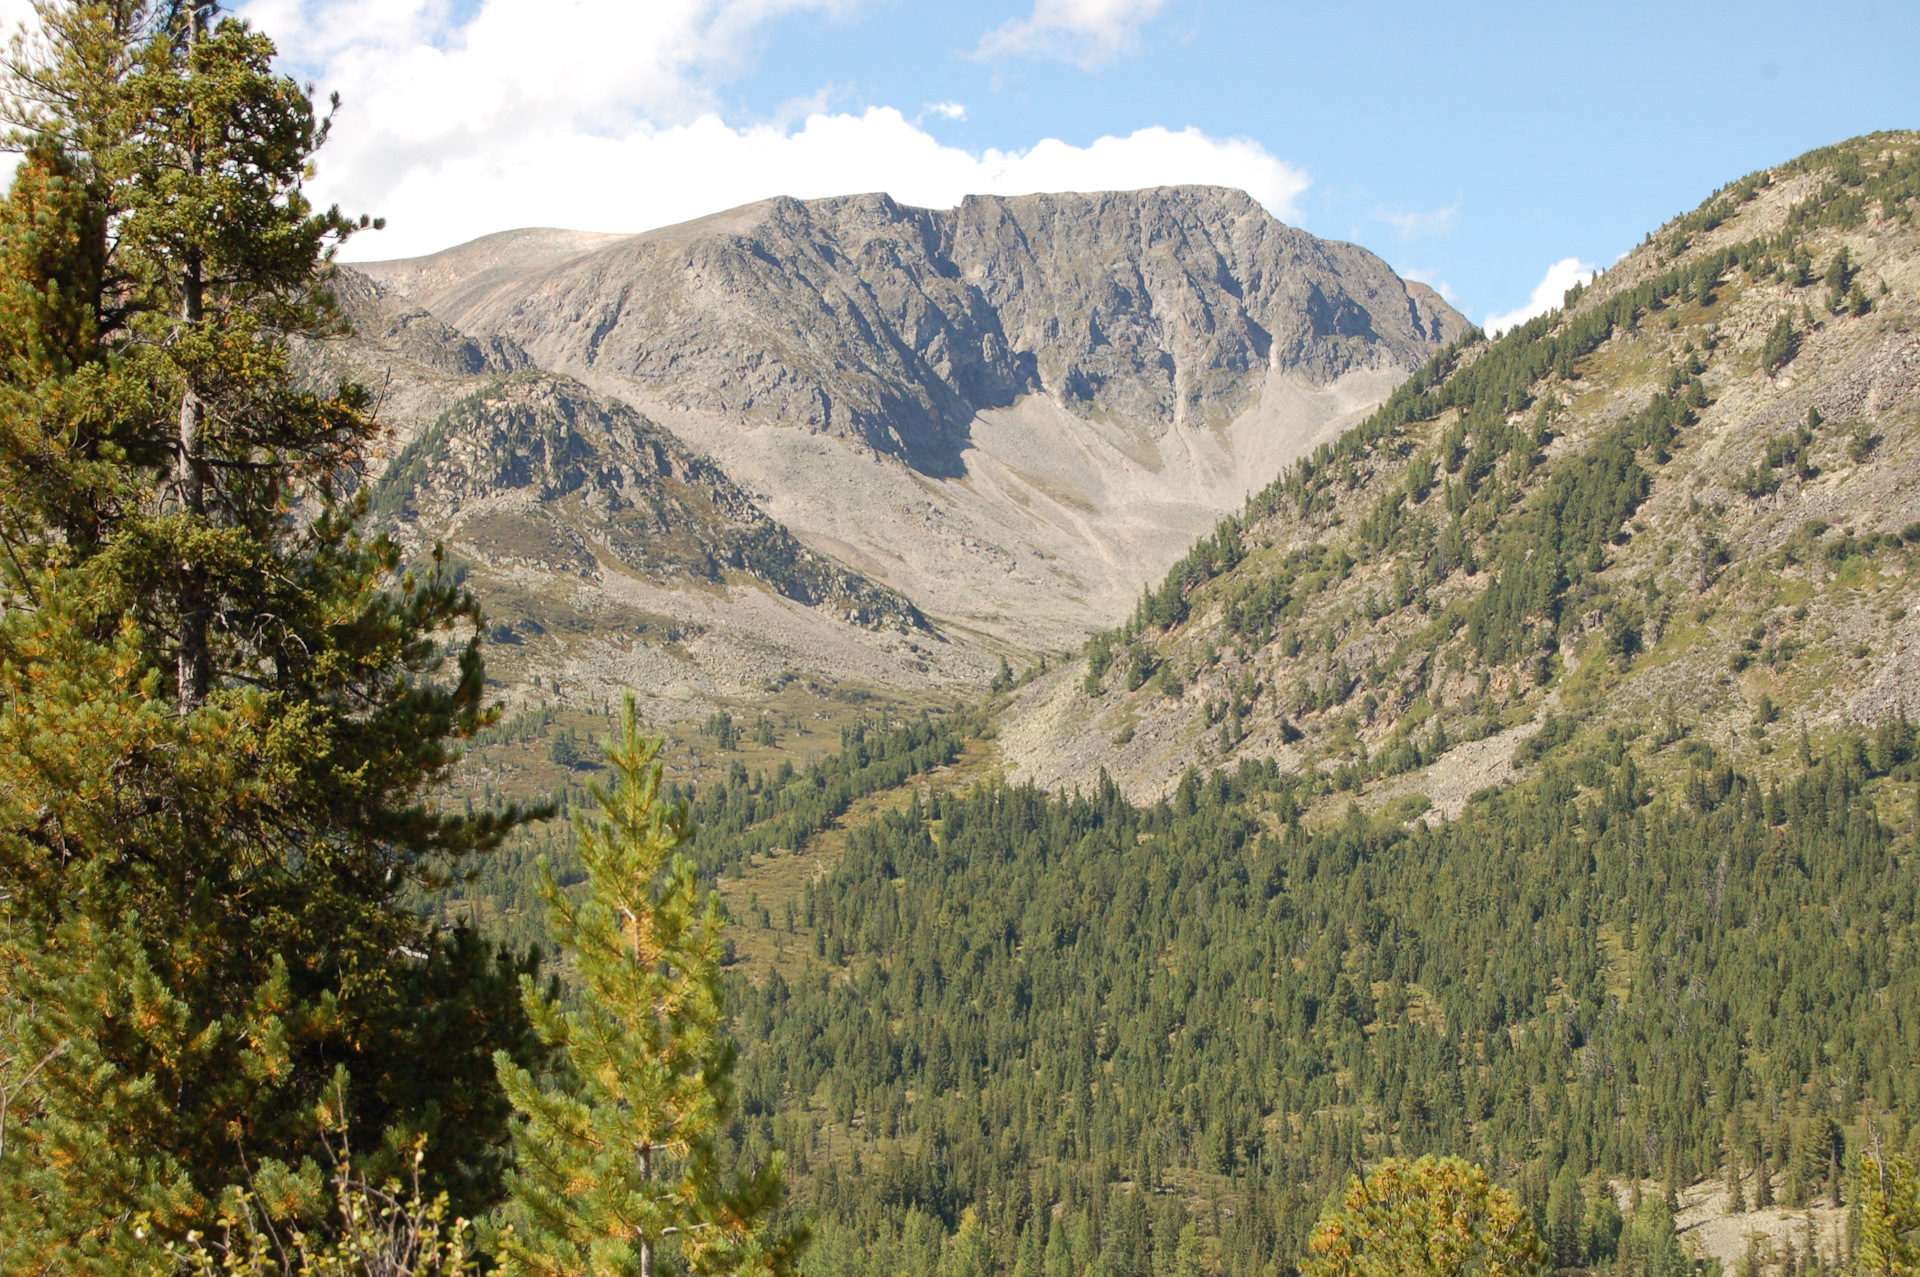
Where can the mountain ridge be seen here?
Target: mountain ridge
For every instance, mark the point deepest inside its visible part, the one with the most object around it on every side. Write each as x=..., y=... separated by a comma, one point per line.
x=1009, y=412
x=1671, y=374
x=606, y=553
x=604, y=487
x=928, y=322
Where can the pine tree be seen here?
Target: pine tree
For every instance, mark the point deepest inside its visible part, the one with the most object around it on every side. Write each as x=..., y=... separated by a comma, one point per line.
x=1566, y=1211
x=1889, y=1217
x=1736, y=1190
x=1781, y=345
x=1649, y=1247
x=1439, y=1216
x=225, y=706
x=621, y=1159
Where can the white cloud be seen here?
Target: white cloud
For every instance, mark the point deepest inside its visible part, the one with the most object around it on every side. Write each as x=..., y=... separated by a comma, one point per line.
x=599, y=115
x=1547, y=294
x=1087, y=33
x=948, y=110
x=1420, y=223
x=655, y=176
x=516, y=64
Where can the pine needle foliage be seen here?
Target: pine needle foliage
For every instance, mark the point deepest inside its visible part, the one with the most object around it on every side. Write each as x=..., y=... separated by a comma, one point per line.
x=226, y=706
x=1435, y=1217
x=1889, y=1216
x=291, y=1225
x=617, y=1167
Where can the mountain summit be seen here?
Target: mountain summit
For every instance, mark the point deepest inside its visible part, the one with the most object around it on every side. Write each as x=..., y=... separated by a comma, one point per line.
x=895, y=326
x=1013, y=412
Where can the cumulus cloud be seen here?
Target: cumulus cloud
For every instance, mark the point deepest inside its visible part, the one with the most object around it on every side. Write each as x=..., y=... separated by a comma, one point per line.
x=1087, y=33
x=948, y=110
x=654, y=176
x=519, y=64
x=601, y=115
x=1547, y=294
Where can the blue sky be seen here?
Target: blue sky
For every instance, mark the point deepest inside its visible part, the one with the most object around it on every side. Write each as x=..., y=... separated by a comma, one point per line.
x=1470, y=145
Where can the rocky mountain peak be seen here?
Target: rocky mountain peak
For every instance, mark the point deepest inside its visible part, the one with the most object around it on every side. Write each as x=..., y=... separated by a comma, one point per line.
x=894, y=326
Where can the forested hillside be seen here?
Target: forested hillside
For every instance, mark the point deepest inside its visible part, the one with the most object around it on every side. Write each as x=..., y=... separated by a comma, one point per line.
x=1687, y=489
x=1203, y=1015
x=1644, y=564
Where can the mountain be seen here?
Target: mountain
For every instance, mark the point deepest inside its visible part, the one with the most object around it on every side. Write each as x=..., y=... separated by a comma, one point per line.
x=1013, y=413
x=535, y=470
x=608, y=555
x=1682, y=507
x=1526, y=774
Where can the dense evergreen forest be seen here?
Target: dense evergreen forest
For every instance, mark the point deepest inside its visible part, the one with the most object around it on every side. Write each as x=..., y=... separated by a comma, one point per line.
x=1183, y=1026
x=735, y=818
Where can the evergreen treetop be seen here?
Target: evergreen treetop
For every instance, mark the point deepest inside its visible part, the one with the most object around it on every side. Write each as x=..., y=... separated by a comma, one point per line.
x=620, y=1160
x=1439, y=1216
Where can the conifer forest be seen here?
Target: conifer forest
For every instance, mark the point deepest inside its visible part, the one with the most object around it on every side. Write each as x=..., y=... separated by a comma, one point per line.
x=1515, y=896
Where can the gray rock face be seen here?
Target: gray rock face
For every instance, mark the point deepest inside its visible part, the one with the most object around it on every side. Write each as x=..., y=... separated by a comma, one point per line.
x=1014, y=413
x=534, y=471
x=606, y=552
x=895, y=327
x=382, y=319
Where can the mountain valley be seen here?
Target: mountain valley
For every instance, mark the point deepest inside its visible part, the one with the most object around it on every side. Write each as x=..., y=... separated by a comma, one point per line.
x=1613, y=594
x=1092, y=734
x=1011, y=415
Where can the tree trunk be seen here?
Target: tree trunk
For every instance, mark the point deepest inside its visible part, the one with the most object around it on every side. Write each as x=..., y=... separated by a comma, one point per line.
x=646, y=1242
x=194, y=669
x=193, y=658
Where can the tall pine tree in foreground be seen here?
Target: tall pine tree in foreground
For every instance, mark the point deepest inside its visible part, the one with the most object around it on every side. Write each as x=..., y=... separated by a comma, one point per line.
x=617, y=1168
x=225, y=707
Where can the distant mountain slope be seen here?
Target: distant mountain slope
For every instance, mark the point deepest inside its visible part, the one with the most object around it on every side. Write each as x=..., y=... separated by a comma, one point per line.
x=389, y=323
x=1013, y=412
x=535, y=471
x=892, y=325
x=606, y=553
x=1682, y=510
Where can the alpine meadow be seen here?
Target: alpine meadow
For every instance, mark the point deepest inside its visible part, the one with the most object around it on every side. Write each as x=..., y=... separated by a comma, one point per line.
x=1092, y=734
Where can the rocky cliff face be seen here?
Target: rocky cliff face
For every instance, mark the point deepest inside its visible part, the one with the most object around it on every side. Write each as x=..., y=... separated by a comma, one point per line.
x=395, y=327
x=534, y=471
x=895, y=326
x=1014, y=412
x=606, y=553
